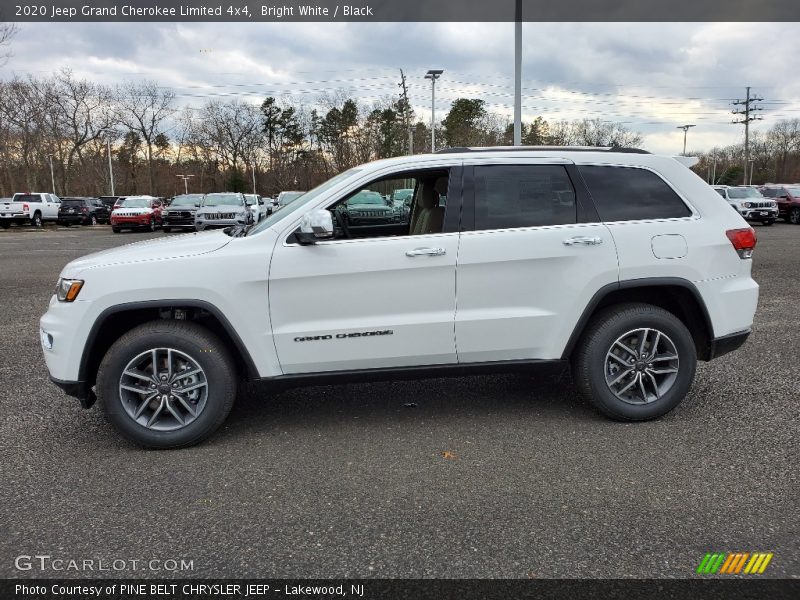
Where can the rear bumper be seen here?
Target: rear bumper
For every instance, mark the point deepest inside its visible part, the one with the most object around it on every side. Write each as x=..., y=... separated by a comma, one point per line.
x=727, y=343
x=73, y=218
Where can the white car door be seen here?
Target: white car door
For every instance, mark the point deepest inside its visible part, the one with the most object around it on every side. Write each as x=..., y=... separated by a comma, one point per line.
x=531, y=257
x=375, y=302
x=50, y=207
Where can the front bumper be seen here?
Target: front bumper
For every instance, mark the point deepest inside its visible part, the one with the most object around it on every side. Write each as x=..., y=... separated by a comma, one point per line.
x=201, y=224
x=130, y=221
x=178, y=222
x=759, y=214
x=77, y=389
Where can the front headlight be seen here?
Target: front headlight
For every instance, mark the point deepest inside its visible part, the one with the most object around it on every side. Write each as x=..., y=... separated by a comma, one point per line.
x=748, y=205
x=68, y=289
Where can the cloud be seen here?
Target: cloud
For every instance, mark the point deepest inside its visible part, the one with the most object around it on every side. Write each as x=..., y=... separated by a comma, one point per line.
x=651, y=76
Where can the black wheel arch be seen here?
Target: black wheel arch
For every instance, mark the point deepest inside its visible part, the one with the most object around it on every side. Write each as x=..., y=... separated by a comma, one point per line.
x=674, y=294
x=117, y=320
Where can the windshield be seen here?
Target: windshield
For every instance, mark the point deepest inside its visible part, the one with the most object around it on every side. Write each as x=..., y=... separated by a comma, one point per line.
x=223, y=200
x=741, y=193
x=306, y=199
x=366, y=198
x=135, y=203
x=186, y=200
x=289, y=197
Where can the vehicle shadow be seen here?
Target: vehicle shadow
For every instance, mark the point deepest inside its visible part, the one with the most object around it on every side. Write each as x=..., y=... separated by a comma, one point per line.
x=547, y=392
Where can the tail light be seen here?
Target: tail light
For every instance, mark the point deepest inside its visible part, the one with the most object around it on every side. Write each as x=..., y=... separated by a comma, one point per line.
x=743, y=240
x=25, y=207
x=84, y=209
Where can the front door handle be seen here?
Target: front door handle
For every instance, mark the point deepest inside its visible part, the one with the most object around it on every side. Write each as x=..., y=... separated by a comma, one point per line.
x=426, y=252
x=585, y=240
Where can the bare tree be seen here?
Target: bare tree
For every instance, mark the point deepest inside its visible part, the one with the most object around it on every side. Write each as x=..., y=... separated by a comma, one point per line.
x=7, y=33
x=143, y=108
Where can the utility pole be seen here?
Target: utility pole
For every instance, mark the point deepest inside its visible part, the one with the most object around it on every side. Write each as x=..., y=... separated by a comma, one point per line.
x=518, y=74
x=185, y=182
x=685, y=130
x=406, y=112
x=745, y=112
x=433, y=75
x=254, y=175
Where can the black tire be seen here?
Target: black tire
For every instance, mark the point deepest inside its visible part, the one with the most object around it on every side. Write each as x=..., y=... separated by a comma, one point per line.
x=589, y=360
x=166, y=229
x=5, y=225
x=152, y=226
x=203, y=347
x=115, y=229
x=794, y=216
x=36, y=219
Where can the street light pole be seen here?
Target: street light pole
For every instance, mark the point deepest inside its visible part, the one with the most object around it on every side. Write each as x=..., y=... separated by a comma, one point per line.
x=685, y=131
x=254, y=174
x=433, y=75
x=110, y=167
x=518, y=75
x=52, y=175
x=185, y=182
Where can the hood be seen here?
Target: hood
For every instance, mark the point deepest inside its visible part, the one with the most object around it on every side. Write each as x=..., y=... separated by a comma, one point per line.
x=165, y=248
x=122, y=211
x=380, y=207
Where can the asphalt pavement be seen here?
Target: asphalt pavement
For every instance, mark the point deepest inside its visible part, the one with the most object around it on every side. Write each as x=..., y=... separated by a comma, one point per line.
x=481, y=477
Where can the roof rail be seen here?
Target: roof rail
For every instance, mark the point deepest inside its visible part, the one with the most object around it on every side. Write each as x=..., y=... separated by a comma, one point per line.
x=462, y=149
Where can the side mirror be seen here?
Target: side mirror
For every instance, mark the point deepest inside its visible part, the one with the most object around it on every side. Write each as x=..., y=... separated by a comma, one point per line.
x=197, y=205
x=314, y=226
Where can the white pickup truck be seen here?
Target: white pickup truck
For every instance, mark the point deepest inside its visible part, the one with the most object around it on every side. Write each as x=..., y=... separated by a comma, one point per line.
x=26, y=207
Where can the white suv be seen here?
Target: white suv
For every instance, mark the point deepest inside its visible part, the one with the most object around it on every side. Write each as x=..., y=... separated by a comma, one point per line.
x=624, y=264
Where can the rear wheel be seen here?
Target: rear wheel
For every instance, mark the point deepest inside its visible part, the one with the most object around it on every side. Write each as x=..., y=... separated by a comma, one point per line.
x=635, y=362
x=794, y=216
x=167, y=384
x=5, y=225
x=36, y=220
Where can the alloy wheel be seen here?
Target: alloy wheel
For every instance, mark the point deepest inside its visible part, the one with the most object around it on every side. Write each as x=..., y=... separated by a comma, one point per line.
x=163, y=389
x=641, y=366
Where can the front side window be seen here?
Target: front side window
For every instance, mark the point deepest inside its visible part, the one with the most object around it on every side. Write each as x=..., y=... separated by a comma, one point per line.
x=510, y=196
x=372, y=212
x=631, y=194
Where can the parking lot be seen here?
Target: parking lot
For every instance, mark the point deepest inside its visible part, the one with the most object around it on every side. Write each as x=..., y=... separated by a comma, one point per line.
x=481, y=477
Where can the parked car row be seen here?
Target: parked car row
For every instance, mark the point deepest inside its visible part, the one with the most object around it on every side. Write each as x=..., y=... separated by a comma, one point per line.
x=764, y=204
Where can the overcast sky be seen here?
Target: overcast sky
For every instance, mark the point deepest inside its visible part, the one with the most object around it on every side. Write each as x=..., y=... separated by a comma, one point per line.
x=653, y=77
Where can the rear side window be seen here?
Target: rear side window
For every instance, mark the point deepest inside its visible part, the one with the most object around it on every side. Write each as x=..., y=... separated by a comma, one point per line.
x=630, y=194
x=509, y=196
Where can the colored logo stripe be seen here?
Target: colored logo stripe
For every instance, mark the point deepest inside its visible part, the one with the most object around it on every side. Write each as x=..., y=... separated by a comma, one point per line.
x=733, y=563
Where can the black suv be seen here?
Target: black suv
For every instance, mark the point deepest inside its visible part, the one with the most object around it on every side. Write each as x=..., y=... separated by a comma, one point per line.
x=180, y=212
x=86, y=211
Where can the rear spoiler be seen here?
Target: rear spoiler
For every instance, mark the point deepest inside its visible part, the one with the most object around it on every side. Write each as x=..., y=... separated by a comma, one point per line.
x=687, y=161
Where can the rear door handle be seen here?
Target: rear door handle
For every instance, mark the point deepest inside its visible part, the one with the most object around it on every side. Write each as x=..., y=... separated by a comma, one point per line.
x=584, y=240
x=426, y=252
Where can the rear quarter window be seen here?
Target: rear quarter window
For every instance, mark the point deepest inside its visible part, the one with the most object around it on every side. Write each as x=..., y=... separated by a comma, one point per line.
x=631, y=194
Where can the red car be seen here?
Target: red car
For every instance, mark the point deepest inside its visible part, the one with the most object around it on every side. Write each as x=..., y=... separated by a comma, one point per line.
x=788, y=198
x=137, y=212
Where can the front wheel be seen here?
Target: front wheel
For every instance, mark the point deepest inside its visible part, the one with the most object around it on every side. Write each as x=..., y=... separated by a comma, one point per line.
x=167, y=384
x=794, y=216
x=115, y=229
x=152, y=225
x=166, y=229
x=635, y=362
